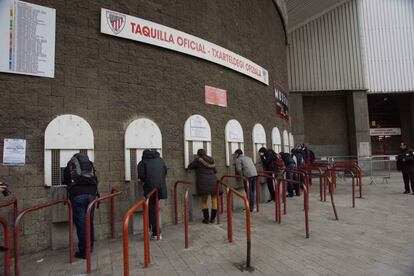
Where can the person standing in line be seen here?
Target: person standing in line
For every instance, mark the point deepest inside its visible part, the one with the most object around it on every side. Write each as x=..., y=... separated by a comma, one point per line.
x=405, y=164
x=269, y=162
x=81, y=182
x=206, y=181
x=245, y=167
x=290, y=164
x=152, y=171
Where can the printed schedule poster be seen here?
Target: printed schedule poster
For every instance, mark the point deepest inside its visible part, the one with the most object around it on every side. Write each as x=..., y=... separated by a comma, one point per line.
x=14, y=152
x=27, y=39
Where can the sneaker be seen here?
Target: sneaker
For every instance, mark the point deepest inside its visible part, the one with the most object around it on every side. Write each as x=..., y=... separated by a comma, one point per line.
x=80, y=255
x=154, y=237
x=406, y=192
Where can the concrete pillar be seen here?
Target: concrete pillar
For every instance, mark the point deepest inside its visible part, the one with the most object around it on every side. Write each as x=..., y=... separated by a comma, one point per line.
x=358, y=123
x=296, y=117
x=412, y=115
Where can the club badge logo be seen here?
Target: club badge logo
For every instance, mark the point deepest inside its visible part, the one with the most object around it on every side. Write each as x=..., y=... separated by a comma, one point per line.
x=116, y=21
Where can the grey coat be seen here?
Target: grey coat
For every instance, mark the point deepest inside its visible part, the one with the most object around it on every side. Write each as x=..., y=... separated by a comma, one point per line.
x=245, y=166
x=206, y=178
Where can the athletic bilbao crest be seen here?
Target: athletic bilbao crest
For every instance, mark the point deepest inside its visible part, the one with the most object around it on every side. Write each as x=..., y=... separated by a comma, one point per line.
x=116, y=21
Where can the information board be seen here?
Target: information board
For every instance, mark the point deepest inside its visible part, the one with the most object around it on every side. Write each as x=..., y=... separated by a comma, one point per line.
x=27, y=38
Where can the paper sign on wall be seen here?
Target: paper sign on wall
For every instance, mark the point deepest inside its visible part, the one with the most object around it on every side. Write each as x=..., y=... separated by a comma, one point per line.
x=27, y=39
x=215, y=96
x=14, y=152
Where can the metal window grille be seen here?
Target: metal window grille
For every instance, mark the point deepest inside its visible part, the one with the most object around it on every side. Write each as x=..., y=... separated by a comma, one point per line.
x=133, y=167
x=56, y=170
x=84, y=151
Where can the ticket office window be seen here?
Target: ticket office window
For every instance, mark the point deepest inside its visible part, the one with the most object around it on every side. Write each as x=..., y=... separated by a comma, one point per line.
x=286, y=147
x=141, y=134
x=234, y=140
x=291, y=141
x=259, y=140
x=197, y=135
x=65, y=136
x=276, y=140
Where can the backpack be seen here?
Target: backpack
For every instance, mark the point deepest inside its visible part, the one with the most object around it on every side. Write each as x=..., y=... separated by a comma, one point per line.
x=299, y=158
x=277, y=160
x=287, y=159
x=80, y=170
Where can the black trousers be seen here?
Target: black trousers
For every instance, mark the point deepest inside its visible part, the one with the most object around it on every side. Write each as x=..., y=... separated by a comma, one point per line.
x=151, y=214
x=407, y=177
x=271, y=188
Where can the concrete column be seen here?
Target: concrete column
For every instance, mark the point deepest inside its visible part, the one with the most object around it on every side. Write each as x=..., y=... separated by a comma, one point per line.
x=358, y=123
x=412, y=114
x=296, y=117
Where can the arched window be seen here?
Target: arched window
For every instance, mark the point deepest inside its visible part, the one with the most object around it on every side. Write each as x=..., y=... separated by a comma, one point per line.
x=64, y=136
x=286, y=146
x=197, y=135
x=276, y=140
x=291, y=141
x=259, y=140
x=141, y=134
x=234, y=139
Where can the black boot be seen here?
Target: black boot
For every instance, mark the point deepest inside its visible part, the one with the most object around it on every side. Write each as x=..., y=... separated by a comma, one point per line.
x=213, y=215
x=205, y=215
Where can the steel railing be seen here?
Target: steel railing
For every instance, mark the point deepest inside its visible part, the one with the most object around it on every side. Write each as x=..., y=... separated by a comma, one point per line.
x=230, y=192
x=187, y=191
x=125, y=242
x=6, y=230
x=286, y=181
x=35, y=208
x=111, y=196
x=267, y=175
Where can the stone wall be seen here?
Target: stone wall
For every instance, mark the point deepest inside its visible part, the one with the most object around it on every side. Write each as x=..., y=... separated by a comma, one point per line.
x=112, y=81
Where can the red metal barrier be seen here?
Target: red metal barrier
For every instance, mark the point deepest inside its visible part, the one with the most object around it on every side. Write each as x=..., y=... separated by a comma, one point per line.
x=35, y=208
x=277, y=193
x=125, y=242
x=357, y=174
x=305, y=195
x=239, y=177
x=114, y=193
x=324, y=180
x=6, y=228
x=230, y=192
x=333, y=172
x=187, y=190
x=218, y=189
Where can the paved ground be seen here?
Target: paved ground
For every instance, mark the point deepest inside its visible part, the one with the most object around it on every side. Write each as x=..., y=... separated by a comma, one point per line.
x=375, y=238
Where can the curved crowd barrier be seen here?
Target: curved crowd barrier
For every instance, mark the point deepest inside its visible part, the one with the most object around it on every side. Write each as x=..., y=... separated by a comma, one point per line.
x=286, y=181
x=6, y=232
x=189, y=184
x=266, y=175
x=230, y=192
x=111, y=196
x=357, y=172
x=35, y=208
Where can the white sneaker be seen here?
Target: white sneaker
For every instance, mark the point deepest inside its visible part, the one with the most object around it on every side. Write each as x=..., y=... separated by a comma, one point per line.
x=154, y=237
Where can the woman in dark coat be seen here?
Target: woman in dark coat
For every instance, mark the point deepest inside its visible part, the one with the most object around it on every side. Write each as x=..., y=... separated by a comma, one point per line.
x=206, y=180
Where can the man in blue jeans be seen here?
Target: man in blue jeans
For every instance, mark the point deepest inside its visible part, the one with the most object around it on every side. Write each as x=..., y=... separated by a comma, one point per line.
x=82, y=183
x=245, y=167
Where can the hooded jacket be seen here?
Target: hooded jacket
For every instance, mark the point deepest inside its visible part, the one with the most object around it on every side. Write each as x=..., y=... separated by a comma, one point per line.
x=152, y=171
x=206, y=178
x=405, y=161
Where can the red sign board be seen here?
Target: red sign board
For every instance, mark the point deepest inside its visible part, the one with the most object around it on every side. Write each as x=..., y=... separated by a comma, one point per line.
x=281, y=100
x=215, y=96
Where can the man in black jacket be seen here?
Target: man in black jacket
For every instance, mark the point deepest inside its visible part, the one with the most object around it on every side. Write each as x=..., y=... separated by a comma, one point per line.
x=82, y=189
x=268, y=162
x=405, y=163
x=152, y=171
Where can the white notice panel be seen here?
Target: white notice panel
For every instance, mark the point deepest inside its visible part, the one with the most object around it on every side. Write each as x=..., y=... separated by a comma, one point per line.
x=14, y=152
x=138, y=29
x=27, y=39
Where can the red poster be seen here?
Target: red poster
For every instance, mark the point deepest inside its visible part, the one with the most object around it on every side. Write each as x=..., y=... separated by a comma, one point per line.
x=281, y=100
x=215, y=96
